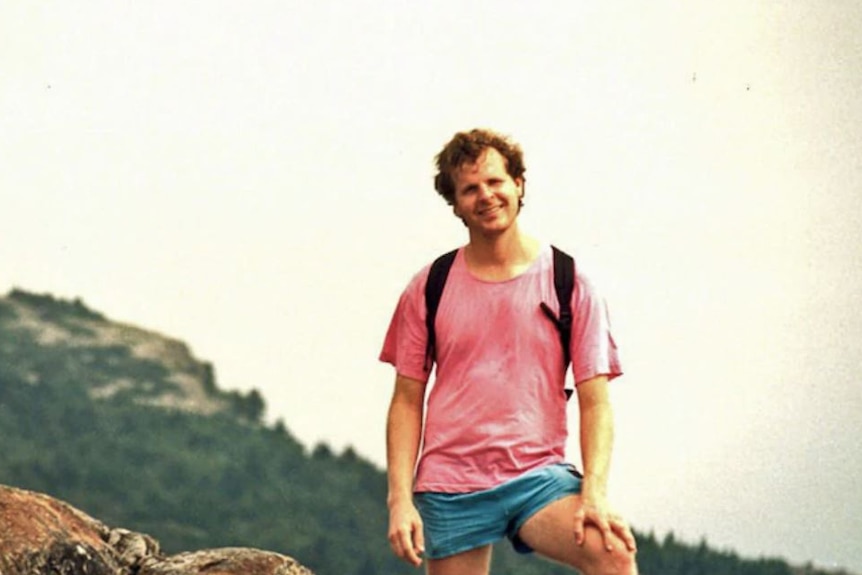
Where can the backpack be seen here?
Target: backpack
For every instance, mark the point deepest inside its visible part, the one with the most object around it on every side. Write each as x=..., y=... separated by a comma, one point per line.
x=564, y=285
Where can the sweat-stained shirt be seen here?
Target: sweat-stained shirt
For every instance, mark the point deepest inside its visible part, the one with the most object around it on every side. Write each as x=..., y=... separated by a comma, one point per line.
x=497, y=407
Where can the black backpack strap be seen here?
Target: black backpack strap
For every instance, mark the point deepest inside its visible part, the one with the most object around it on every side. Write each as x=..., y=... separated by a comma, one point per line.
x=564, y=285
x=433, y=292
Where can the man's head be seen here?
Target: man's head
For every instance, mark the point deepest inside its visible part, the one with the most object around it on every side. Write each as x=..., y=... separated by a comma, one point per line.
x=466, y=148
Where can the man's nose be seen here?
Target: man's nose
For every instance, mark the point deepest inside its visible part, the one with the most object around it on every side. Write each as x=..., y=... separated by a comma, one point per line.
x=484, y=191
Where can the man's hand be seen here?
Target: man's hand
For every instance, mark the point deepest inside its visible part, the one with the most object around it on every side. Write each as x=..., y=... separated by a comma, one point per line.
x=405, y=532
x=594, y=510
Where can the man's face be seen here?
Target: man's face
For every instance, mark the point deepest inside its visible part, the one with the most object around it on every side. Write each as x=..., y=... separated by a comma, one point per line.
x=486, y=196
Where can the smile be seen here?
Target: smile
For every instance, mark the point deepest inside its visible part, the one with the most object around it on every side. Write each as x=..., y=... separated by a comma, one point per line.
x=490, y=211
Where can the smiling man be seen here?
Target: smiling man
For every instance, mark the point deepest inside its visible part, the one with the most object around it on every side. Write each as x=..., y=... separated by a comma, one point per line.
x=492, y=461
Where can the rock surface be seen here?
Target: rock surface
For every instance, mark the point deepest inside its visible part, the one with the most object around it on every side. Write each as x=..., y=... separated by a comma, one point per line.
x=41, y=535
x=227, y=561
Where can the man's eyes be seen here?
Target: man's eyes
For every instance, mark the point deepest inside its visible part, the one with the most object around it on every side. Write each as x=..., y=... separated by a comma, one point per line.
x=492, y=183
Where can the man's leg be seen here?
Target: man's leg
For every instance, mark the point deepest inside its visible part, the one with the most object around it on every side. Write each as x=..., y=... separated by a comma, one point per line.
x=473, y=562
x=551, y=533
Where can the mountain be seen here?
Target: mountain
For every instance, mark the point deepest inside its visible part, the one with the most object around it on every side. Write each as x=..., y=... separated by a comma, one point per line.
x=52, y=342
x=128, y=426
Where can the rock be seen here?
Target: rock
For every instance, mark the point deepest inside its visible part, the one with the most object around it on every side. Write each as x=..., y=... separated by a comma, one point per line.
x=132, y=548
x=41, y=535
x=227, y=561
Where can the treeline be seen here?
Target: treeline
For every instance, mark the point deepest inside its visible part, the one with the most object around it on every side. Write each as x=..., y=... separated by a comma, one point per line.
x=196, y=482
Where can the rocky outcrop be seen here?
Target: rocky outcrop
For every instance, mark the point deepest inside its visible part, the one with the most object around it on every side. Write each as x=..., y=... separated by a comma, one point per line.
x=41, y=535
x=108, y=358
x=228, y=561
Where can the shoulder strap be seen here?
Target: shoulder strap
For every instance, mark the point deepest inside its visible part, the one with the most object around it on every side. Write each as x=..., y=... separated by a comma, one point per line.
x=564, y=284
x=433, y=292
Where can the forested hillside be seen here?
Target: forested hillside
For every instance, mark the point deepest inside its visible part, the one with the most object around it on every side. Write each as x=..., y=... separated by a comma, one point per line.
x=126, y=425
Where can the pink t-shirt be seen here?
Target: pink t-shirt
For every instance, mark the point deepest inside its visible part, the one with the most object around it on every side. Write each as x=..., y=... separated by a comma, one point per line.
x=497, y=407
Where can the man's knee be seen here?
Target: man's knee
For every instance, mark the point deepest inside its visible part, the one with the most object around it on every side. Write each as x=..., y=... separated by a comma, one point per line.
x=617, y=562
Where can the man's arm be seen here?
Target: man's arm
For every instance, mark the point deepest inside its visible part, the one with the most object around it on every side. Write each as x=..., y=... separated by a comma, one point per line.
x=403, y=435
x=597, y=439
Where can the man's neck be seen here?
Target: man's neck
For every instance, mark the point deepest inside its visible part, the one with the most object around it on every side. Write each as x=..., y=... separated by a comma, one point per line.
x=500, y=257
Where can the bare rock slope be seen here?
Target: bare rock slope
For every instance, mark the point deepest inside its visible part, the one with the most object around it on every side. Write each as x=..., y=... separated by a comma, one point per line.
x=155, y=369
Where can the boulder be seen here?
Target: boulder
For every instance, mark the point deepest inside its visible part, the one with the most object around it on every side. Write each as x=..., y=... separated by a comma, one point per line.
x=227, y=561
x=41, y=535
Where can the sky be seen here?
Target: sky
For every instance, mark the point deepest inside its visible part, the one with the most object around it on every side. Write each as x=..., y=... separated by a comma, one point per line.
x=254, y=178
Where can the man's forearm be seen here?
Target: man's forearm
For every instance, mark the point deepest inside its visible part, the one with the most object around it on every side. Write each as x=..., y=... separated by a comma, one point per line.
x=403, y=434
x=596, y=435
x=597, y=439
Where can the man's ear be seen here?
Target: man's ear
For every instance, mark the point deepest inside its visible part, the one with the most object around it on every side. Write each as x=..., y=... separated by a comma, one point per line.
x=454, y=204
x=457, y=215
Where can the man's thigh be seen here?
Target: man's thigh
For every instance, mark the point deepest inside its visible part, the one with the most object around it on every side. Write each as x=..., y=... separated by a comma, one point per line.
x=473, y=562
x=551, y=533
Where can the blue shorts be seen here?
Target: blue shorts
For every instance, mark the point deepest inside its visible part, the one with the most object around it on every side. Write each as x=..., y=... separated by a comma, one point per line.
x=458, y=522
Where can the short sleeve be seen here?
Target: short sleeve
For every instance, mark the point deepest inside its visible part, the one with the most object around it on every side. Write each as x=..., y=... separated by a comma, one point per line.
x=593, y=349
x=406, y=338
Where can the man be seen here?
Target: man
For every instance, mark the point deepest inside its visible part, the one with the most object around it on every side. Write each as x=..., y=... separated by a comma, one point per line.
x=495, y=425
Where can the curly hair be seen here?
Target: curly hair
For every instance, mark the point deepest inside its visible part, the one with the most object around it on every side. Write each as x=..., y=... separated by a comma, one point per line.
x=465, y=148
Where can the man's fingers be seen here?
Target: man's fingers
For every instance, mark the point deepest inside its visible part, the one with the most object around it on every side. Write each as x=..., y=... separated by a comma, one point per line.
x=419, y=540
x=402, y=544
x=580, y=521
x=409, y=552
x=395, y=544
x=624, y=532
x=602, y=522
x=610, y=526
x=607, y=533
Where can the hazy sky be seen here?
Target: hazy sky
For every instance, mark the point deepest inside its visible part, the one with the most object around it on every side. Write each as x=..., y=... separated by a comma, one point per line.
x=254, y=178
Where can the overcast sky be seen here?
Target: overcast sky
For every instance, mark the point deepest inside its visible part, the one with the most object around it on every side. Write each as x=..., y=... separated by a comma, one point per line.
x=254, y=178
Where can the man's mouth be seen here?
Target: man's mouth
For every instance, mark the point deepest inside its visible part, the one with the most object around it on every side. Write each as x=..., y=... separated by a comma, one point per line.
x=490, y=211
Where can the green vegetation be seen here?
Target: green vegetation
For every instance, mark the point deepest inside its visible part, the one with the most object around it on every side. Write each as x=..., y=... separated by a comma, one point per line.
x=60, y=311
x=195, y=481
